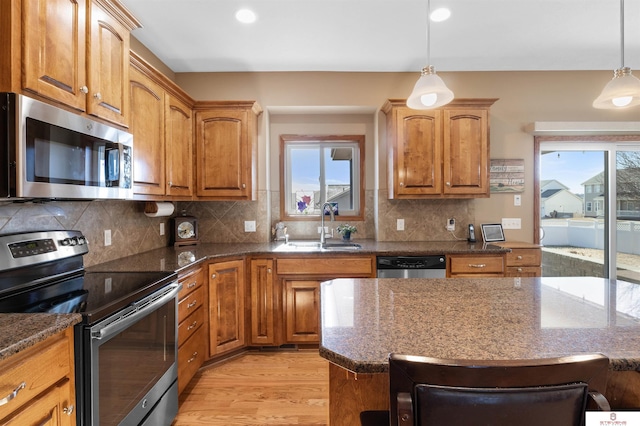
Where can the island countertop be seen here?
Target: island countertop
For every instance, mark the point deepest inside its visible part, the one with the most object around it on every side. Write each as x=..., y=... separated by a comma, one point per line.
x=363, y=320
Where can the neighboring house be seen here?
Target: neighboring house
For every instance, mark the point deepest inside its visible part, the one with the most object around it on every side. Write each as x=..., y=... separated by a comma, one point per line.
x=551, y=184
x=560, y=202
x=627, y=197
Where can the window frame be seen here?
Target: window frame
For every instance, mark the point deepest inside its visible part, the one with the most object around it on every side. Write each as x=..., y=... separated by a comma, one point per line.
x=359, y=140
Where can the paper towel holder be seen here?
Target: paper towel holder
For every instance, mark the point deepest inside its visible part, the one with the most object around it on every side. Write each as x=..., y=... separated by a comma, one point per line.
x=158, y=209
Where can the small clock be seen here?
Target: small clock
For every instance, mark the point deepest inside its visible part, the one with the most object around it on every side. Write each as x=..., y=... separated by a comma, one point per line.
x=185, y=231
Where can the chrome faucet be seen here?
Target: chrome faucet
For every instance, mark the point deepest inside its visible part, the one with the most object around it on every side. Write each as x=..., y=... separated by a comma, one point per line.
x=323, y=237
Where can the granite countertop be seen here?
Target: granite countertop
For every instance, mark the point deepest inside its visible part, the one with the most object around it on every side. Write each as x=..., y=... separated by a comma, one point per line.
x=363, y=320
x=20, y=331
x=177, y=258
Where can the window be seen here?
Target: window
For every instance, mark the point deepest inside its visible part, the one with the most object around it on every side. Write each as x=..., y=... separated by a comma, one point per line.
x=321, y=169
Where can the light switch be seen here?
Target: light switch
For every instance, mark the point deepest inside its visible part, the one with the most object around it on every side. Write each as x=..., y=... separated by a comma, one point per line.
x=517, y=200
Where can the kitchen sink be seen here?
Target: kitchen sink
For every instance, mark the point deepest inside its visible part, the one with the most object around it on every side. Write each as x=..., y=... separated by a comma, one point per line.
x=316, y=246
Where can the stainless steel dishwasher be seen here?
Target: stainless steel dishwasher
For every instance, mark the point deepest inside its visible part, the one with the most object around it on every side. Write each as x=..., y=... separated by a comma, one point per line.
x=433, y=266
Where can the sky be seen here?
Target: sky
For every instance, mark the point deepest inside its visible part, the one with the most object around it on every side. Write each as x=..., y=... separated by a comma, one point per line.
x=571, y=168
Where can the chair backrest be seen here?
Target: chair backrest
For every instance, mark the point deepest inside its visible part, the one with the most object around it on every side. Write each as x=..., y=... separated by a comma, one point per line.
x=553, y=391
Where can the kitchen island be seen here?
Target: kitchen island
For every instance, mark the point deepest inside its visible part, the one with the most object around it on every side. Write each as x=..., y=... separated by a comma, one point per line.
x=363, y=320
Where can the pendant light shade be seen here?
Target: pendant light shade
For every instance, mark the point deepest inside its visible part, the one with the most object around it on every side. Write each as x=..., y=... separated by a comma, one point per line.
x=430, y=91
x=623, y=91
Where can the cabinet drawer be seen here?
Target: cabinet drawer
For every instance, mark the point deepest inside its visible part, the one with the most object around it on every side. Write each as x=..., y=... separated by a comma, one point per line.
x=477, y=265
x=523, y=271
x=190, y=281
x=351, y=266
x=190, y=324
x=190, y=303
x=39, y=368
x=190, y=358
x=524, y=257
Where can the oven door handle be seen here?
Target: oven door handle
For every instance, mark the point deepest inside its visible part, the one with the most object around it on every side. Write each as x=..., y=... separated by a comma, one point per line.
x=140, y=310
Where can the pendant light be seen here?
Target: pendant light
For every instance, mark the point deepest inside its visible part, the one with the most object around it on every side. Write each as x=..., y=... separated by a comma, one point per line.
x=623, y=90
x=429, y=91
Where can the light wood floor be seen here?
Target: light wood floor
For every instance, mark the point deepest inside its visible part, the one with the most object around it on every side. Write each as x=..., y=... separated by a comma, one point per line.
x=259, y=388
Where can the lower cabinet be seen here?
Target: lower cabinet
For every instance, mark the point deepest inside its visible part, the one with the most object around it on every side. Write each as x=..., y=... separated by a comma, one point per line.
x=285, y=294
x=524, y=259
x=302, y=311
x=41, y=380
x=226, y=306
x=191, y=325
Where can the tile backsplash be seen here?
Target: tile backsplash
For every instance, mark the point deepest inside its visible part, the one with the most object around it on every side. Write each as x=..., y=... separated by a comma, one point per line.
x=133, y=232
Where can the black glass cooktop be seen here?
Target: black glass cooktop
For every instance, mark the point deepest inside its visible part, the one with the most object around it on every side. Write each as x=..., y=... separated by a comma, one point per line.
x=96, y=295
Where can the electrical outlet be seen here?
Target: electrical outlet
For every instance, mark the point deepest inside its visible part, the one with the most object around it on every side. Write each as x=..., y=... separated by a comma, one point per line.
x=326, y=230
x=107, y=285
x=162, y=228
x=107, y=237
x=451, y=224
x=249, y=226
x=511, y=223
x=400, y=225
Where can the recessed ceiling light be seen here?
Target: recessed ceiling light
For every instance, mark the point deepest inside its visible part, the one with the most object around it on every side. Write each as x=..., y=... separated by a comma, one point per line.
x=441, y=14
x=246, y=16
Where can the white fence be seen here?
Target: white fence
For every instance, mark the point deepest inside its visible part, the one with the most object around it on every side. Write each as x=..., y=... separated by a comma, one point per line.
x=589, y=233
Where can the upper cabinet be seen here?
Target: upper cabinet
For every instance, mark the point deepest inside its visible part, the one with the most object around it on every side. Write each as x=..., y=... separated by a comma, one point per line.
x=439, y=153
x=226, y=149
x=75, y=52
x=162, y=127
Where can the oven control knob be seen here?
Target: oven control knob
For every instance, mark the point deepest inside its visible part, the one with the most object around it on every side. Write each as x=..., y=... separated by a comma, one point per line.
x=82, y=240
x=71, y=241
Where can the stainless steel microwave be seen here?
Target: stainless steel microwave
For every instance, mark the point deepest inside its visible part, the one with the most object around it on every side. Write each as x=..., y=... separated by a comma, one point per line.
x=48, y=152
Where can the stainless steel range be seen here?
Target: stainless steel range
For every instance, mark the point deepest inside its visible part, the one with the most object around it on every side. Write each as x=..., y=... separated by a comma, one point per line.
x=126, y=351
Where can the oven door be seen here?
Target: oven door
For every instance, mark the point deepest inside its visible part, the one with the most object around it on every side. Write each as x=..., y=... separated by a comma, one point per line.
x=131, y=363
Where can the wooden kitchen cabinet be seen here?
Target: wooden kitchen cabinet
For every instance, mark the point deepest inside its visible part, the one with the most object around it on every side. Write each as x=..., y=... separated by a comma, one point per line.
x=264, y=302
x=226, y=149
x=226, y=306
x=72, y=52
x=475, y=265
x=439, y=153
x=48, y=395
x=191, y=325
x=524, y=260
x=300, y=278
x=162, y=127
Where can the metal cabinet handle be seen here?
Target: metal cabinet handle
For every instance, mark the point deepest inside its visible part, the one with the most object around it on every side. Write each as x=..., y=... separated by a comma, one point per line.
x=244, y=186
x=213, y=276
x=519, y=257
x=481, y=265
x=192, y=304
x=192, y=285
x=193, y=357
x=401, y=183
x=170, y=184
x=192, y=326
x=519, y=269
x=448, y=184
x=268, y=270
x=98, y=96
x=68, y=410
x=84, y=89
x=13, y=394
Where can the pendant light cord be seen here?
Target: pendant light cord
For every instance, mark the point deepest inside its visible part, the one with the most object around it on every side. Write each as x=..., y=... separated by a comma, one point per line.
x=429, y=33
x=622, y=33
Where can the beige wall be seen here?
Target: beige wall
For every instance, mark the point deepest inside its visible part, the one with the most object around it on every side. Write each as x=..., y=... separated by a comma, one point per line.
x=317, y=98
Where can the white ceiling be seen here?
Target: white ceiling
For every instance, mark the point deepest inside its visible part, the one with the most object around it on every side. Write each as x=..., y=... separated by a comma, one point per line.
x=388, y=35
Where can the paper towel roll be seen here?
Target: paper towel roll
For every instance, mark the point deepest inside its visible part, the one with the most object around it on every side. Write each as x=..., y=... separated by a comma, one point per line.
x=154, y=209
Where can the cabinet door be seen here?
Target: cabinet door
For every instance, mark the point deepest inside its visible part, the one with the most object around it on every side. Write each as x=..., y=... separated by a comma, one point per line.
x=54, y=65
x=226, y=306
x=418, y=153
x=53, y=408
x=466, y=151
x=108, y=67
x=147, y=127
x=223, y=154
x=179, y=147
x=302, y=311
x=262, y=302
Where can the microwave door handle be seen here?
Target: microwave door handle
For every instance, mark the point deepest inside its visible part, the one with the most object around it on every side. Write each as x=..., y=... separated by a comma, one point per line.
x=127, y=320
